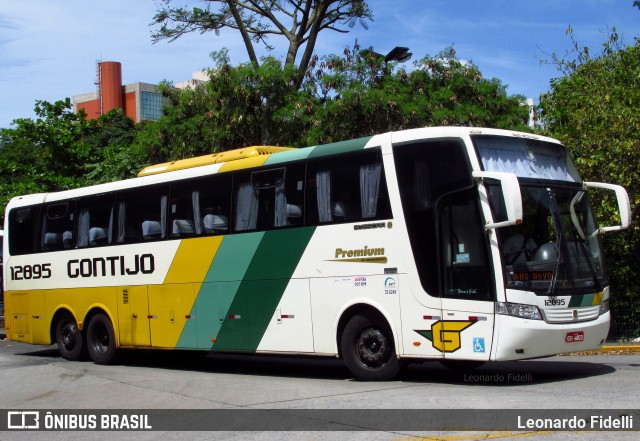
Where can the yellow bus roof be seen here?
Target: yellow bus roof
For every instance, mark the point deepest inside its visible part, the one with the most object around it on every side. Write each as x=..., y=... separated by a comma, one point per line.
x=214, y=158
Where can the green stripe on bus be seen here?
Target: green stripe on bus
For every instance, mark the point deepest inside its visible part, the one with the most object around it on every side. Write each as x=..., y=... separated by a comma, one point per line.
x=289, y=156
x=340, y=147
x=581, y=300
x=260, y=292
x=219, y=288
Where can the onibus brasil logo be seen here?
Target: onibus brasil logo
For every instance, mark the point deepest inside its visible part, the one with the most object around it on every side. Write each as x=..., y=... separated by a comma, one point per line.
x=445, y=335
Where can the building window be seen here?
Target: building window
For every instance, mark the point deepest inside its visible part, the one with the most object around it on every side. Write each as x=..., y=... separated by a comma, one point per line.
x=150, y=105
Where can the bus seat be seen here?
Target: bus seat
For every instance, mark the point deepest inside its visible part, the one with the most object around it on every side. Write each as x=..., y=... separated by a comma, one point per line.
x=294, y=214
x=52, y=241
x=67, y=239
x=98, y=236
x=151, y=230
x=214, y=223
x=340, y=210
x=183, y=227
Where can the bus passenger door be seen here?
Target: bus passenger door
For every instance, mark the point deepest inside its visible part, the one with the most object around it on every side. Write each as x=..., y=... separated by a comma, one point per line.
x=133, y=312
x=467, y=290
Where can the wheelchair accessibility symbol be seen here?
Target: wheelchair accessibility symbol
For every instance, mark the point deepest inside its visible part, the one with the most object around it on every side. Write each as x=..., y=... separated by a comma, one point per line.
x=478, y=345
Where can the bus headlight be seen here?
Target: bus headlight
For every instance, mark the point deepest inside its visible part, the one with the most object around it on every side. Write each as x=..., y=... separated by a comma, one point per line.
x=530, y=312
x=604, y=306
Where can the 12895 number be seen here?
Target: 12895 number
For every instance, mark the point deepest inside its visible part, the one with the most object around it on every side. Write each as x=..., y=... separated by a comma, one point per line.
x=29, y=272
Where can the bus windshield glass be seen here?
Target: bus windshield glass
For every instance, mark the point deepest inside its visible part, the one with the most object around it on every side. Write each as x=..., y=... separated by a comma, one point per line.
x=556, y=250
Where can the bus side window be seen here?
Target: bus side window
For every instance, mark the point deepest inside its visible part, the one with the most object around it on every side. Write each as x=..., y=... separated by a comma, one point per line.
x=266, y=199
x=57, y=227
x=142, y=215
x=95, y=221
x=23, y=224
x=211, y=204
x=347, y=189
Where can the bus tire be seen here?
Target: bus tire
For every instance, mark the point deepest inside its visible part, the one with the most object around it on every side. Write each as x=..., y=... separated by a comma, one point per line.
x=69, y=338
x=368, y=348
x=101, y=340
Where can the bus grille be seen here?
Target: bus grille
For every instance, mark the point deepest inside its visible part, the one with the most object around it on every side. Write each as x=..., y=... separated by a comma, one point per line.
x=582, y=314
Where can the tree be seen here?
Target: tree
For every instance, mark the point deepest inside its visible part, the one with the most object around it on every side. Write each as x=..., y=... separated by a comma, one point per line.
x=43, y=154
x=298, y=21
x=60, y=150
x=361, y=94
x=595, y=110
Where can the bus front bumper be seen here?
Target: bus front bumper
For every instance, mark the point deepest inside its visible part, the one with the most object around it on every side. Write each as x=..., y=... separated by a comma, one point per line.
x=518, y=339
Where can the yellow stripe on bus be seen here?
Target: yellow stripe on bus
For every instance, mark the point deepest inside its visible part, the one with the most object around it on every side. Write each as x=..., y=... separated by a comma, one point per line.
x=193, y=259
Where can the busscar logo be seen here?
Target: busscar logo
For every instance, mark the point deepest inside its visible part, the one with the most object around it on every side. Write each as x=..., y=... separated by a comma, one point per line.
x=23, y=419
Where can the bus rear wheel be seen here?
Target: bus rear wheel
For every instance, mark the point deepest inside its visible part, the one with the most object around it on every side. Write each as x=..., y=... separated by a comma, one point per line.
x=69, y=339
x=101, y=340
x=368, y=348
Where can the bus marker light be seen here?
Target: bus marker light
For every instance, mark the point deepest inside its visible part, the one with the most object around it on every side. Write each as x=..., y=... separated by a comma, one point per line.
x=416, y=343
x=214, y=339
x=475, y=318
x=188, y=316
x=152, y=316
x=431, y=317
x=235, y=316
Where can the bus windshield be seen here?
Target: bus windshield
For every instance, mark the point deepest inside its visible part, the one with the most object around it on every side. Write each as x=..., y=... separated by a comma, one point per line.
x=556, y=249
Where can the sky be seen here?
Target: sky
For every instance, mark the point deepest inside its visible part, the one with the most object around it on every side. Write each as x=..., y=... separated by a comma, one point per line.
x=49, y=49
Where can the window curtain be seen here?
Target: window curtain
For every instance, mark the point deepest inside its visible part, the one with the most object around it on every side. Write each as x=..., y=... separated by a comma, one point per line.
x=323, y=192
x=110, y=233
x=280, y=219
x=369, y=189
x=121, y=221
x=83, y=228
x=525, y=162
x=163, y=215
x=197, y=217
x=246, y=208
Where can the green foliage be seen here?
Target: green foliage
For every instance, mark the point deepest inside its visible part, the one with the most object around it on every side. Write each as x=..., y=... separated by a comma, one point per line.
x=61, y=150
x=595, y=110
x=44, y=154
x=362, y=95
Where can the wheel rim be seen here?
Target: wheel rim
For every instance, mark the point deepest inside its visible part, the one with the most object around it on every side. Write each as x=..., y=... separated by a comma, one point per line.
x=69, y=334
x=101, y=339
x=372, y=348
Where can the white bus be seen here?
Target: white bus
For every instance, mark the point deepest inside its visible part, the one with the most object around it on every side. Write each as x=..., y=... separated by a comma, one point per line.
x=455, y=244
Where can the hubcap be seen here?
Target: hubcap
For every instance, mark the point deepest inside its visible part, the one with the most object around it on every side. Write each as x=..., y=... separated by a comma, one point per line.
x=68, y=335
x=102, y=340
x=372, y=347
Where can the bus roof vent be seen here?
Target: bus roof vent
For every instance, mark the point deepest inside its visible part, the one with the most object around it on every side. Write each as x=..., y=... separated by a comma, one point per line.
x=215, y=158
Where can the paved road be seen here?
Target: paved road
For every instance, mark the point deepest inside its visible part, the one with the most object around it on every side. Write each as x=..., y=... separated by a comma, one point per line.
x=36, y=377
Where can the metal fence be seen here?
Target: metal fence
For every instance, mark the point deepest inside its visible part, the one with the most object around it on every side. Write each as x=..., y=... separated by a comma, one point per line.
x=625, y=326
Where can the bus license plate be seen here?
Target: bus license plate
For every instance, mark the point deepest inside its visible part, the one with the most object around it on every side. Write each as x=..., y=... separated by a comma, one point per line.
x=574, y=336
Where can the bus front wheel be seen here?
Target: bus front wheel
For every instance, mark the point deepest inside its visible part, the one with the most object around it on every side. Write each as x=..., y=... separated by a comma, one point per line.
x=69, y=339
x=368, y=348
x=101, y=340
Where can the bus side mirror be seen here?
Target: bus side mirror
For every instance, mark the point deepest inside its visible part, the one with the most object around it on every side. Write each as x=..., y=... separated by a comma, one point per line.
x=510, y=189
x=624, y=207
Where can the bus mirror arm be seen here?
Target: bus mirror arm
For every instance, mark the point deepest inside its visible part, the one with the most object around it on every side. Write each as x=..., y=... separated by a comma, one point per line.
x=624, y=205
x=511, y=193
